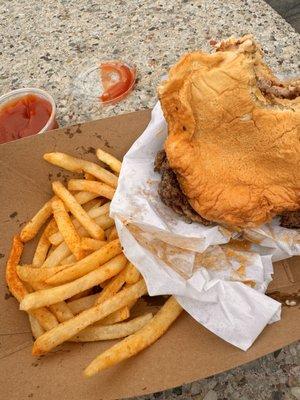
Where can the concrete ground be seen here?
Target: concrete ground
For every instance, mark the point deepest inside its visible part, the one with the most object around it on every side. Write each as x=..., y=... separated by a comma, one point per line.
x=289, y=10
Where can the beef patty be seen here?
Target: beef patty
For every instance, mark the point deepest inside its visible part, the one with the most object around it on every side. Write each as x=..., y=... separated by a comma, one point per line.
x=171, y=193
x=290, y=219
x=172, y=196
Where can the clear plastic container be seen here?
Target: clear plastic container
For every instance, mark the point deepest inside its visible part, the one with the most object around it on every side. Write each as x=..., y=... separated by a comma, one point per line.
x=89, y=84
x=19, y=93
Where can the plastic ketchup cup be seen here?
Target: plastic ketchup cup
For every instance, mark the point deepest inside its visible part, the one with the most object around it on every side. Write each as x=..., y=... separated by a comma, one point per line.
x=26, y=112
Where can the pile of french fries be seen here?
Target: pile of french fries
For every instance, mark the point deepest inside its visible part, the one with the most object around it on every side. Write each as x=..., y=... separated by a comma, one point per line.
x=80, y=287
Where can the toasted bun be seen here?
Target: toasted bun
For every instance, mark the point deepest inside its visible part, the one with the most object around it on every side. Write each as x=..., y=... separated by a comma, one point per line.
x=235, y=148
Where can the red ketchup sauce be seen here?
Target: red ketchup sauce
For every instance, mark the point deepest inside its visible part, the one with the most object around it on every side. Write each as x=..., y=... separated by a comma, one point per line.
x=117, y=79
x=24, y=116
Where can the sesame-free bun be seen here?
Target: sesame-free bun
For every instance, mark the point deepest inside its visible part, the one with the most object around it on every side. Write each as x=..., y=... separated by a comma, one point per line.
x=233, y=134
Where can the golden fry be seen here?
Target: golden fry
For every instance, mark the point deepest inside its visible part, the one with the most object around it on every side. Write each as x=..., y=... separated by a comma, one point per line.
x=89, y=177
x=57, y=255
x=87, y=264
x=79, y=305
x=33, y=226
x=56, y=238
x=76, y=165
x=84, y=197
x=104, y=221
x=31, y=274
x=113, y=234
x=92, y=186
x=132, y=275
x=108, y=159
x=67, y=229
x=43, y=245
x=77, y=296
x=62, y=311
x=36, y=328
x=17, y=288
x=71, y=259
x=118, y=316
x=111, y=332
x=68, y=329
x=92, y=244
x=137, y=342
x=94, y=230
x=113, y=287
x=56, y=294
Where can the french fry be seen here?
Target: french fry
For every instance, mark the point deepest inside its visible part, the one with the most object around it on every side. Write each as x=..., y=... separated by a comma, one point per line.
x=56, y=294
x=71, y=259
x=113, y=287
x=62, y=269
x=79, y=305
x=61, y=252
x=85, y=197
x=92, y=244
x=68, y=329
x=113, y=234
x=94, y=230
x=62, y=311
x=104, y=221
x=78, y=296
x=51, y=250
x=76, y=165
x=132, y=274
x=67, y=228
x=111, y=332
x=32, y=274
x=89, y=177
x=45, y=318
x=33, y=226
x=92, y=186
x=108, y=231
x=41, y=251
x=91, y=204
x=43, y=245
x=113, y=163
x=56, y=238
x=36, y=328
x=138, y=341
x=37, y=221
x=87, y=264
x=118, y=316
x=98, y=211
x=17, y=288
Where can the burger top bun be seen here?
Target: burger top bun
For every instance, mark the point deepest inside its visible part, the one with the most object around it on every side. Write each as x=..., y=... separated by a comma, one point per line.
x=233, y=134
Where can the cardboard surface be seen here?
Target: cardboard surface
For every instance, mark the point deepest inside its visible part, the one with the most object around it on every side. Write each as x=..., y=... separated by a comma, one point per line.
x=186, y=353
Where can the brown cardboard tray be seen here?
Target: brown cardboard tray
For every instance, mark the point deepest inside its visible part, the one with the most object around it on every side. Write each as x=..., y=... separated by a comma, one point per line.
x=186, y=353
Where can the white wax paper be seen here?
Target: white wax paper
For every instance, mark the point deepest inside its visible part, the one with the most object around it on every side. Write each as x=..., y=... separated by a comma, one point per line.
x=221, y=285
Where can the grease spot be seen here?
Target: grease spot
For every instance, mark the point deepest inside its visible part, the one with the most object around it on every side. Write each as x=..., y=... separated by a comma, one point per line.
x=106, y=143
x=86, y=149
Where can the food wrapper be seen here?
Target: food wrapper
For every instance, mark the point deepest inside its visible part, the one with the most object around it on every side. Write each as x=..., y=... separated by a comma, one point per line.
x=216, y=278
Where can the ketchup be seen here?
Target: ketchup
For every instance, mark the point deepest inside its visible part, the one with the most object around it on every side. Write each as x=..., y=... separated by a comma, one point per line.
x=117, y=79
x=24, y=116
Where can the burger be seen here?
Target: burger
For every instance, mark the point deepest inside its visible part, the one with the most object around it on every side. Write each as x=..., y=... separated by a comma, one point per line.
x=232, y=154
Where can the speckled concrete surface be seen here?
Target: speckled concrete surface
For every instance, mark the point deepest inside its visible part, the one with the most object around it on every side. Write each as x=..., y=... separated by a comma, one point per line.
x=48, y=43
